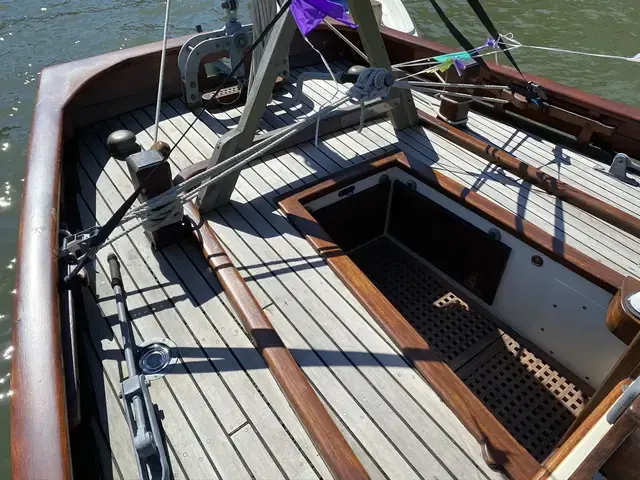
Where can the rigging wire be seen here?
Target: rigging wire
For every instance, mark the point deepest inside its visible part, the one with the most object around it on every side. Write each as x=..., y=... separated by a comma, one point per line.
x=119, y=214
x=163, y=59
x=513, y=43
x=457, y=34
x=482, y=15
x=254, y=45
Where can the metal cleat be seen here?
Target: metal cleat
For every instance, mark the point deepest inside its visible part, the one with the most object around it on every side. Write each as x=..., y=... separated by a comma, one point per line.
x=618, y=169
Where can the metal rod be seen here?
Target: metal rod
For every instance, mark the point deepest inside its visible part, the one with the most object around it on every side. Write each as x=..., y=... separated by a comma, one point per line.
x=127, y=340
x=127, y=337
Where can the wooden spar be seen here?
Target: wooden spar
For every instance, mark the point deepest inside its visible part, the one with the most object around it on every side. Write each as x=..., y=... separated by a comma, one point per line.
x=549, y=184
x=332, y=446
x=240, y=137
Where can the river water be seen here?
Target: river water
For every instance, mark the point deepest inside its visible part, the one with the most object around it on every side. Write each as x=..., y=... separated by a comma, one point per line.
x=38, y=33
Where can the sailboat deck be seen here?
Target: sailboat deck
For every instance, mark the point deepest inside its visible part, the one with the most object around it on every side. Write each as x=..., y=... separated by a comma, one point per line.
x=222, y=412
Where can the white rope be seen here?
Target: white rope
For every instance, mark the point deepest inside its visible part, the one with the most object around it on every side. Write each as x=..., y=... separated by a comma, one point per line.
x=163, y=58
x=402, y=84
x=335, y=82
x=439, y=93
x=372, y=83
x=345, y=40
x=166, y=208
x=512, y=42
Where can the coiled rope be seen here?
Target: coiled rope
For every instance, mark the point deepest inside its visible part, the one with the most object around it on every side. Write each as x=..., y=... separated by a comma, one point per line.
x=166, y=208
x=372, y=83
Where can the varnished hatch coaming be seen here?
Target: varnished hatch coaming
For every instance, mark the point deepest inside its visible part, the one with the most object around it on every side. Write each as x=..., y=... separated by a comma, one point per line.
x=82, y=92
x=518, y=299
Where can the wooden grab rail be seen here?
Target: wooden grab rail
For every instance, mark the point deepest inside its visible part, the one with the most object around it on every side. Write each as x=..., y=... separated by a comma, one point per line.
x=332, y=446
x=535, y=176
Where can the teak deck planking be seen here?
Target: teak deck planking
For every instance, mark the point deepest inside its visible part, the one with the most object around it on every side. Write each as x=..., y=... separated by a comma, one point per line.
x=221, y=390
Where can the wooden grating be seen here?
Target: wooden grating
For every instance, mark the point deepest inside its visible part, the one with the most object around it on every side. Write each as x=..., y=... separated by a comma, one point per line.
x=534, y=402
x=443, y=319
x=529, y=397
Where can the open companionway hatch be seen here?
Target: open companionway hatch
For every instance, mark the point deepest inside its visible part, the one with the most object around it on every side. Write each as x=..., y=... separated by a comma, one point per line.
x=392, y=236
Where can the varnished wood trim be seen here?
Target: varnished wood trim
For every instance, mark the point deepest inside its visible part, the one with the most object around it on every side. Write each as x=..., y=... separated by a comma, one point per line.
x=416, y=47
x=333, y=448
x=549, y=184
x=567, y=446
x=39, y=429
x=623, y=463
x=618, y=433
x=573, y=259
x=579, y=107
x=624, y=325
x=620, y=320
x=625, y=367
x=74, y=92
x=500, y=447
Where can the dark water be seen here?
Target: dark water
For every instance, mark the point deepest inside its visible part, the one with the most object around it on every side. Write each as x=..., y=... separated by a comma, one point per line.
x=35, y=34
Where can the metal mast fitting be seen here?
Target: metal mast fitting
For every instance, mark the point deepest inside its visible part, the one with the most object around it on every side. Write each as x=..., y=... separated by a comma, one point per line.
x=231, y=41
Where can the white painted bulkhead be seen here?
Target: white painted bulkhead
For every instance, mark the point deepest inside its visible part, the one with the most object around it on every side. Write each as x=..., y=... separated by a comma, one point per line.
x=550, y=305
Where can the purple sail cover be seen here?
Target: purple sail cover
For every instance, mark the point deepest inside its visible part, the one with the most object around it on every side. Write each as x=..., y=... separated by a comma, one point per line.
x=309, y=13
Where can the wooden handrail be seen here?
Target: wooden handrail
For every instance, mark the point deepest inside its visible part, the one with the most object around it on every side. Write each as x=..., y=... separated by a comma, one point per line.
x=331, y=444
x=535, y=176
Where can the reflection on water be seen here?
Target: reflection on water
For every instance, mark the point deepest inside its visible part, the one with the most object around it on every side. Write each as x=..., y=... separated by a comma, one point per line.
x=33, y=36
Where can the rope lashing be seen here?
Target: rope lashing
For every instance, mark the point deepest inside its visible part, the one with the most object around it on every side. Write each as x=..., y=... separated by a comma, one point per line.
x=166, y=208
x=372, y=83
